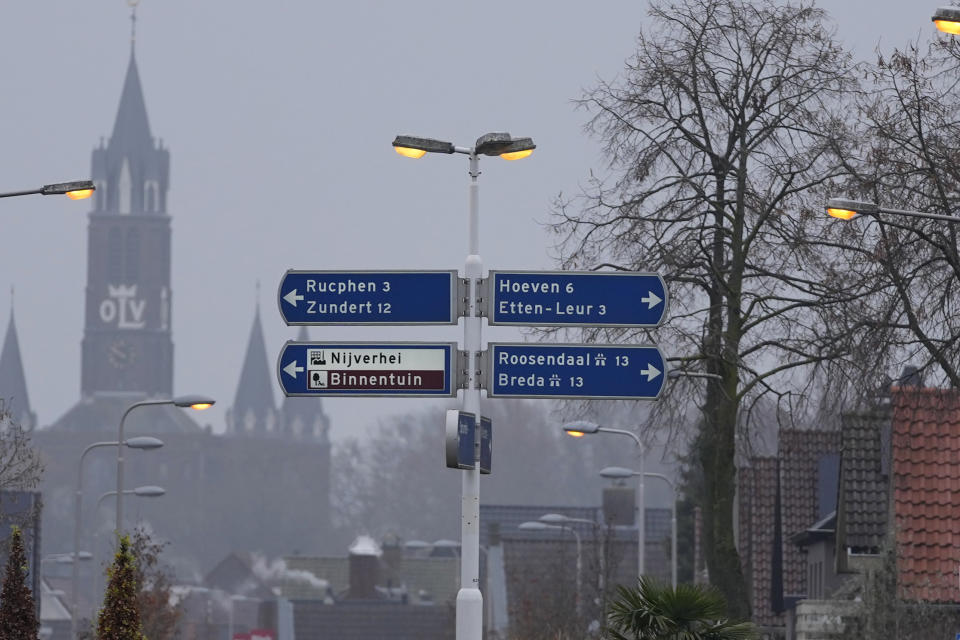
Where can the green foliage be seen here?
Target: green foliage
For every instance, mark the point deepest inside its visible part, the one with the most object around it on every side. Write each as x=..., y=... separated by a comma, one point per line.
x=652, y=611
x=158, y=617
x=119, y=618
x=18, y=613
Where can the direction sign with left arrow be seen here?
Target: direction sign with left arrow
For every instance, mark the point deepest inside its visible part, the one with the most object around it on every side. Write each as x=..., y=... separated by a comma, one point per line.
x=368, y=297
x=367, y=369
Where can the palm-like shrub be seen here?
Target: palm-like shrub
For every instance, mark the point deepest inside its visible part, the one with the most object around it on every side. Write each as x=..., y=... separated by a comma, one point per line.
x=652, y=611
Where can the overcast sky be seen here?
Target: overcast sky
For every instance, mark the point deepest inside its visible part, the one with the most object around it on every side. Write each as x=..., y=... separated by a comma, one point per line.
x=279, y=118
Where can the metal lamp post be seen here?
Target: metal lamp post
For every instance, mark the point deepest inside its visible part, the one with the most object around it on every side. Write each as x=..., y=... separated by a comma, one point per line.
x=146, y=491
x=76, y=190
x=620, y=473
x=192, y=401
x=582, y=428
x=561, y=519
x=469, y=599
x=537, y=525
x=144, y=443
x=848, y=209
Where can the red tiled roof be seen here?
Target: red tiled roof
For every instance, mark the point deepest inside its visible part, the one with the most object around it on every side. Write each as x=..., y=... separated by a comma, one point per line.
x=926, y=467
x=757, y=497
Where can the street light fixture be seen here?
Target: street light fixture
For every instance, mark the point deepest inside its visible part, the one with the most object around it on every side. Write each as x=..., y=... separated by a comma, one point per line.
x=143, y=443
x=76, y=190
x=469, y=611
x=581, y=428
x=620, y=473
x=848, y=209
x=947, y=19
x=543, y=525
x=197, y=402
x=146, y=491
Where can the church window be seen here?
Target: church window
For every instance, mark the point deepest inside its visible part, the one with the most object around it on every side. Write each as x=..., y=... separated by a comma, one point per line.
x=297, y=426
x=249, y=420
x=124, y=189
x=271, y=421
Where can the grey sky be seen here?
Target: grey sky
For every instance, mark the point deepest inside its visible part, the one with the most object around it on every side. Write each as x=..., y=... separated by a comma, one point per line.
x=279, y=118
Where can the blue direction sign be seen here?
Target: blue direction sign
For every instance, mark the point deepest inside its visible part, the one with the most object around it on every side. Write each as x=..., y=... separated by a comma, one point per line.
x=577, y=298
x=610, y=371
x=368, y=297
x=367, y=369
x=461, y=436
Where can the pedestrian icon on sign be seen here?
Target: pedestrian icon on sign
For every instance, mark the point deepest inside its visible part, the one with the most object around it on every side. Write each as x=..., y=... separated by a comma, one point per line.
x=318, y=379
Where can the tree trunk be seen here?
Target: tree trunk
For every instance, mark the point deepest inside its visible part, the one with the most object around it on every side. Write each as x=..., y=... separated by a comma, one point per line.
x=717, y=459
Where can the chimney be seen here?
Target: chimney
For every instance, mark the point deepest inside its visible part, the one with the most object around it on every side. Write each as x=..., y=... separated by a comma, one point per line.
x=619, y=505
x=364, y=563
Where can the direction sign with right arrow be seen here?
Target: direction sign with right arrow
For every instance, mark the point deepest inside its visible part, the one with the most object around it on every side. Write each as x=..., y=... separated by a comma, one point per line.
x=607, y=371
x=577, y=298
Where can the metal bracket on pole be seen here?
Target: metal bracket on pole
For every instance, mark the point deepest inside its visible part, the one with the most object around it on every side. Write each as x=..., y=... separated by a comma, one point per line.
x=463, y=297
x=463, y=369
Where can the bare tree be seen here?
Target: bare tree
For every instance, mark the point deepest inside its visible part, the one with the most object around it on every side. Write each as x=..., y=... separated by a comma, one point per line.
x=20, y=465
x=906, y=271
x=724, y=123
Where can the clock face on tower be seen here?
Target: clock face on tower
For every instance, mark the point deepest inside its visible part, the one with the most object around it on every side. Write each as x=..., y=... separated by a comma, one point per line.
x=121, y=354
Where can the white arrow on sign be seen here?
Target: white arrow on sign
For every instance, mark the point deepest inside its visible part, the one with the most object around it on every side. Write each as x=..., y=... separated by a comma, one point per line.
x=292, y=369
x=651, y=299
x=292, y=297
x=651, y=372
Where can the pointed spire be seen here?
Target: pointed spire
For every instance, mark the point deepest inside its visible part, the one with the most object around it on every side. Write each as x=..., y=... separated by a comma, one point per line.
x=253, y=409
x=13, y=384
x=131, y=129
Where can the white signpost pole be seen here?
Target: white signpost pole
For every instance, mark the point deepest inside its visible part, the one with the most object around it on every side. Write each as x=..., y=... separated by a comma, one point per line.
x=469, y=598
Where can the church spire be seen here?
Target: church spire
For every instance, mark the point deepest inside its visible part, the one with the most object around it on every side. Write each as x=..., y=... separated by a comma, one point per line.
x=13, y=384
x=131, y=129
x=253, y=410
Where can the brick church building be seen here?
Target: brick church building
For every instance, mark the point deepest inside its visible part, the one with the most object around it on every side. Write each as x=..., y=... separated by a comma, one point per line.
x=263, y=485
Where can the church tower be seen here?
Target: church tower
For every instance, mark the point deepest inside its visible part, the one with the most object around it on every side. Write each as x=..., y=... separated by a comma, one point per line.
x=13, y=384
x=253, y=412
x=127, y=345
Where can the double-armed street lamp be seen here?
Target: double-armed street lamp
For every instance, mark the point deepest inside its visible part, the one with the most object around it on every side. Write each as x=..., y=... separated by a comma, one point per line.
x=620, y=473
x=143, y=443
x=581, y=428
x=545, y=525
x=75, y=190
x=469, y=623
x=196, y=402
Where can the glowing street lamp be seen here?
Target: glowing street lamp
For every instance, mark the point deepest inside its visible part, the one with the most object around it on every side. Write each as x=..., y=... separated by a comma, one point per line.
x=76, y=190
x=947, y=19
x=848, y=209
x=469, y=605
